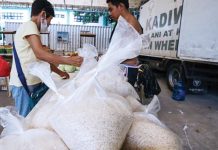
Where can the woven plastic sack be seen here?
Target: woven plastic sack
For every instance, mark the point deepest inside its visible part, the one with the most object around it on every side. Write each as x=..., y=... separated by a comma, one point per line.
x=96, y=116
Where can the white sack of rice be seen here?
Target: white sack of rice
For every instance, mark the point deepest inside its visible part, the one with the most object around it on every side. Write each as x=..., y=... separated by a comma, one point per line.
x=89, y=54
x=146, y=135
x=89, y=121
x=115, y=82
x=39, y=115
x=112, y=80
x=33, y=139
x=16, y=137
x=135, y=104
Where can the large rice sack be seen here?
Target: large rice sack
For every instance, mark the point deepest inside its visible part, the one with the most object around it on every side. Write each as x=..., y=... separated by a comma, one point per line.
x=135, y=104
x=112, y=82
x=90, y=121
x=33, y=139
x=11, y=121
x=39, y=115
x=93, y=117
x=147, y=135
x=89, y=54
x=116, y=82
x=16, y=137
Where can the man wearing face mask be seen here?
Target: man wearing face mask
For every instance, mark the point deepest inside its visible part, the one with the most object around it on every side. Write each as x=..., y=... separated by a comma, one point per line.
x=118, y=8
x=29, y=49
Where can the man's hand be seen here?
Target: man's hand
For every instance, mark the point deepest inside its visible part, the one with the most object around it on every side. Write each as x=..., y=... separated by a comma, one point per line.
x=75, y=60
x=64, y=75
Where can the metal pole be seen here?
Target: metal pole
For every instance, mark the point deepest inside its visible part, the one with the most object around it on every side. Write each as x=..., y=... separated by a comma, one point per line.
x=91, y=3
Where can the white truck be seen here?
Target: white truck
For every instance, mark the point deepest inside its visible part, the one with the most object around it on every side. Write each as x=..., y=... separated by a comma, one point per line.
x=184, y=39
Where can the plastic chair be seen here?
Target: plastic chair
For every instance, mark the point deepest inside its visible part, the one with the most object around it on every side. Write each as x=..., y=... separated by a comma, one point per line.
x=5, y=72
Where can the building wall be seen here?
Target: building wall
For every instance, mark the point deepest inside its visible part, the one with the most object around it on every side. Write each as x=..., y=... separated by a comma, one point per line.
x=72, y=40
x=14, y=14
x=62, y=16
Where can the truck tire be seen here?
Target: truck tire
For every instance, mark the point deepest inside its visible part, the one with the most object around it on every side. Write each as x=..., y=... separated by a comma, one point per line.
x=173, y=73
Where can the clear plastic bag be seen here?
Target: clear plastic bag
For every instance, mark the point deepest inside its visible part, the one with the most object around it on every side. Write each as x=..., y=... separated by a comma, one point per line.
x=145, y=134
x=97, y=115
x=89, y=121
x=12, y=124
x=42, y=70
x=39, y=115
x=89, y=54
x=147, y=129
x=33, y=139
x=15, y=135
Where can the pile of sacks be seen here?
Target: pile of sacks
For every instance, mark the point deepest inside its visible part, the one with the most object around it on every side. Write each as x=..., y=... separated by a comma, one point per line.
x=96, y=110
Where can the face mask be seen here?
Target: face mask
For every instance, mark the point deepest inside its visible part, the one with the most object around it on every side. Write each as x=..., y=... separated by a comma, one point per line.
x=44, y=25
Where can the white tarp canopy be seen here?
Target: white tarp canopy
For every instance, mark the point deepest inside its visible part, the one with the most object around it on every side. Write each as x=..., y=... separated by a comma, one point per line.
x=94, y=3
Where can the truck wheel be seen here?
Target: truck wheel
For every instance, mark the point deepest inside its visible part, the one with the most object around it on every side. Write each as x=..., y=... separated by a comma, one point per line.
x=173, y=74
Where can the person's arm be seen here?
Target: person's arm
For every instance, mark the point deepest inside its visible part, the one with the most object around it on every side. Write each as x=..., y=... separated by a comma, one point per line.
x=37, y=47
x=62, y=74
x=132, y=62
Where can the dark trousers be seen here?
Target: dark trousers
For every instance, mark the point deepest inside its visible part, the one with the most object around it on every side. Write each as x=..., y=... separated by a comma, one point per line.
x=132, y=75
